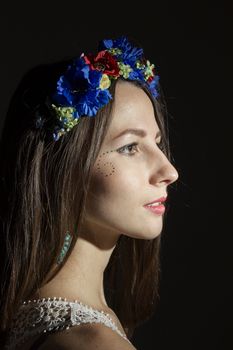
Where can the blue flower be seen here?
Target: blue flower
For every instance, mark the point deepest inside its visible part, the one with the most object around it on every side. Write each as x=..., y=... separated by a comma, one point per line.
x=79, y=88
x=92, y=101
x=105, y=44
x=69, y=85
x=136, y=74
x=153, y=86
x=129, y=54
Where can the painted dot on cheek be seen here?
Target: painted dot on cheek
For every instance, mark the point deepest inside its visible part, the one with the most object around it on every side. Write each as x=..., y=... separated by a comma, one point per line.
x=107, y=168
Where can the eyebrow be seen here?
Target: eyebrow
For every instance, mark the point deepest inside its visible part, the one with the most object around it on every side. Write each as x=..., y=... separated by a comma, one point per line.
x=138, y=132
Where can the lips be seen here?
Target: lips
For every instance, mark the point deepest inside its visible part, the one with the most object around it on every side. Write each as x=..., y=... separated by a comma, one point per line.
x=159, y=200
x=157, y=206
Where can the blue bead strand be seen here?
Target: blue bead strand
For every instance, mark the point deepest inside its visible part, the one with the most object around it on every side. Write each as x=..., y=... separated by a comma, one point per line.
x=65, y=248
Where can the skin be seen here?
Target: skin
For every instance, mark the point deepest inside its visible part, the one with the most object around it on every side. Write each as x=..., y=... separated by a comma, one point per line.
x=121, y=184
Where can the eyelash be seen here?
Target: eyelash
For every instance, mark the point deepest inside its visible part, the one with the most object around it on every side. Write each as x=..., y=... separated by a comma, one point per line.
x=160, y=145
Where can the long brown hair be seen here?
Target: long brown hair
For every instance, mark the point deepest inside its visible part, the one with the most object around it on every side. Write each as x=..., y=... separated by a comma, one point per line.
x=43, y=191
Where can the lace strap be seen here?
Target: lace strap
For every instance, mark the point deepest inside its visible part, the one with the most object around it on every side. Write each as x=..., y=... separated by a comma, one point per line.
x=87, y=314
x=50, y=315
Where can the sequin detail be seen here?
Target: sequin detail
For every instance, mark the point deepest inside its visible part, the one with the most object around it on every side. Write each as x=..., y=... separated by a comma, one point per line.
x=53, y=314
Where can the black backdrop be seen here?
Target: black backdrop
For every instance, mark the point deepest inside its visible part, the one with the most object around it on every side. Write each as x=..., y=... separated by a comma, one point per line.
x=191, y=45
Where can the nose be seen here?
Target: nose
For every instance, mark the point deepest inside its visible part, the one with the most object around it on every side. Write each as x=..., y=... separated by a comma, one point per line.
x=164, y=173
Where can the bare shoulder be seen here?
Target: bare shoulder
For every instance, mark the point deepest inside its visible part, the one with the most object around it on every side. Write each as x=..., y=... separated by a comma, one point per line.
x=86, y=337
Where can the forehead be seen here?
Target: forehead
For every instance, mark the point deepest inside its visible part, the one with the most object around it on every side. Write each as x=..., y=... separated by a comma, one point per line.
x=132, y=108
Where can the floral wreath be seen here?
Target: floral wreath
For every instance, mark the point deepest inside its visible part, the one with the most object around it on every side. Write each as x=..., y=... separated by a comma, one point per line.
x=84, y=88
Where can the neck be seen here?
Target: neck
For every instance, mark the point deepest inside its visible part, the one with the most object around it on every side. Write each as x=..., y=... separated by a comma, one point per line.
x=81, y=277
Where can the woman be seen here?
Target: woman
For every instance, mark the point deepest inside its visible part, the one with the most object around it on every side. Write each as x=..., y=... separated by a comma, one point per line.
x=84, y=179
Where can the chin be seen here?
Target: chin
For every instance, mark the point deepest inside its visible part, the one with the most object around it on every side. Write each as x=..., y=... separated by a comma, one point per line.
x=143, y=229
x=149, y=234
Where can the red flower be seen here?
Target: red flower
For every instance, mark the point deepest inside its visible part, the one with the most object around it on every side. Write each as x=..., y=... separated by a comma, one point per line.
x=149, y=80
x=104, y=62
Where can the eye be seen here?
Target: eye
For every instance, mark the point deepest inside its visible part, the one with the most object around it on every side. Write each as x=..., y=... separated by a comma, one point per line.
x=128, y=147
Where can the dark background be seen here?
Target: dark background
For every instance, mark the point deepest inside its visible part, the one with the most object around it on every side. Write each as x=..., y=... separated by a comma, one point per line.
x=191, y=46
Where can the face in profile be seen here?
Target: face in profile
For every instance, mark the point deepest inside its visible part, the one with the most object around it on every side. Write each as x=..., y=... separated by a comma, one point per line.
x=131, y=170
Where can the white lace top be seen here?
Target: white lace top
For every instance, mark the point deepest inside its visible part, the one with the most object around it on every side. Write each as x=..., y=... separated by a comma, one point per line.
x=50, y=315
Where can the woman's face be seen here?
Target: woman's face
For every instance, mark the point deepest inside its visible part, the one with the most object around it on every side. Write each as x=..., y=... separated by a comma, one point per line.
x=130, y=171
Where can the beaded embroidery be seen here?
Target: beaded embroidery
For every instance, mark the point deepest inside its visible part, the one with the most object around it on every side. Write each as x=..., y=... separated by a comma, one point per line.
x=53, y=314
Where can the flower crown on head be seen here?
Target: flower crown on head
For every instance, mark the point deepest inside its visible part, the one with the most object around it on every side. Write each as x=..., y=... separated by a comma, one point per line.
x=84, y=88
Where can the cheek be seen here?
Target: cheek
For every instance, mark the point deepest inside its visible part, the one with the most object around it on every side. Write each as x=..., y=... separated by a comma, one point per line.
x=105, y=168
x=114, y=177
x=103, y=174
x=116, y=190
